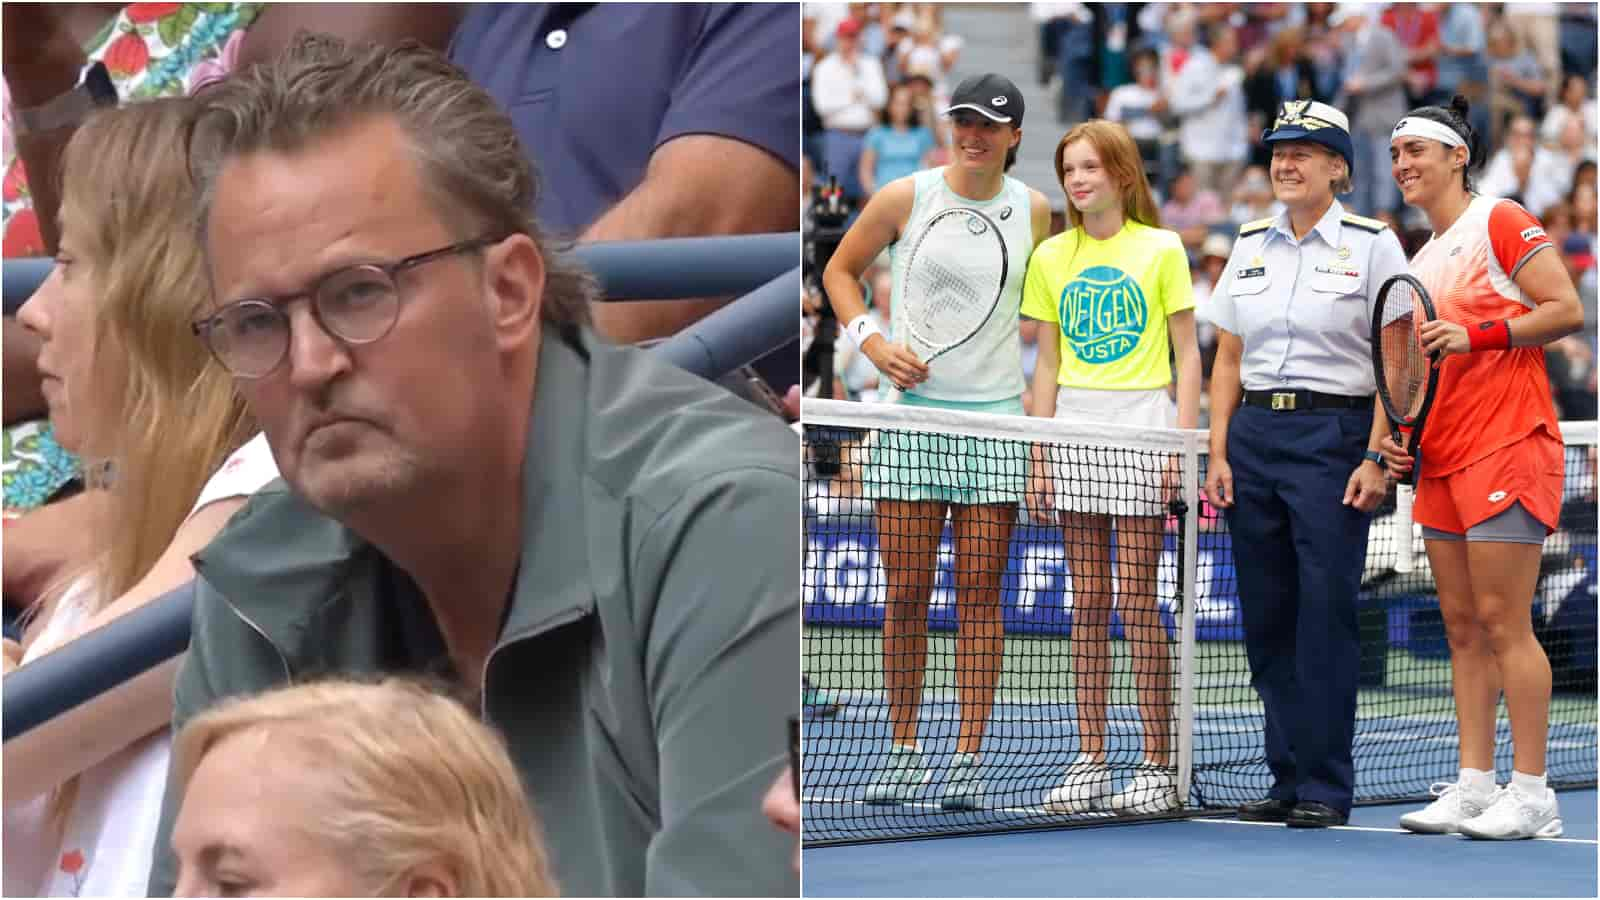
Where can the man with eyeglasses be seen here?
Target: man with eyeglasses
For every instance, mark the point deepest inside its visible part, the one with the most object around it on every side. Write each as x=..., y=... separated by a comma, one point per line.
x=610, y=570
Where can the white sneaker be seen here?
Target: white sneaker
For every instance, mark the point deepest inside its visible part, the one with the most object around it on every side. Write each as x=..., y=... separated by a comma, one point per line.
x=1516, y=815
x=1455, y=805
x=1084, y=787
x=1151, y=790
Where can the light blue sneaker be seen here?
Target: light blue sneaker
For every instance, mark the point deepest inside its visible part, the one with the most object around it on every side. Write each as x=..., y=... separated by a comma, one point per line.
x=964, y=788
x=898, y=781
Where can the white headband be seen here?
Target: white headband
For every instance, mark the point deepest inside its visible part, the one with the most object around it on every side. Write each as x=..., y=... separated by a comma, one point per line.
x=1417, y=126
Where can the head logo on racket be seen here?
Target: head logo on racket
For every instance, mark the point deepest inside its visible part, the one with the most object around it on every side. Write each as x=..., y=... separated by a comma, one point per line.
x=954, y=277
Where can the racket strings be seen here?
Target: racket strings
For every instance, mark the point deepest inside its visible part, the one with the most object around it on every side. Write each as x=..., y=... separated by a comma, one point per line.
x=954, y=278
x=1404, y=361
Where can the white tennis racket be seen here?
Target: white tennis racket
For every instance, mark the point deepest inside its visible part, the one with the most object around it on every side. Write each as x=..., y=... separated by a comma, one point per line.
x=953, y=281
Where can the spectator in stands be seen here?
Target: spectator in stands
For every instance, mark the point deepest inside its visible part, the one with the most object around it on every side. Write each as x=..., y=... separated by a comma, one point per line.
x=1253, y=199
x=856, y=371
x=1416, y=27
x=1207, y=96
x=929, y=51
x=1550, y=176
x=1461, y=56
x=1140, y=107
x=1582, y=198
x=901, y=143
x=848, y=92
x=1373, y=95
x=1516, y=79
x=1276, y=72
x=654, y=163
x=352, y=789
x=1071, y=27
x=1191, y=210
x=1575, y=103
x=1511, y=168
x=157, y=417
x=1578, y=39
x=427, y=349
x=1115, y=306
x=1536, y=28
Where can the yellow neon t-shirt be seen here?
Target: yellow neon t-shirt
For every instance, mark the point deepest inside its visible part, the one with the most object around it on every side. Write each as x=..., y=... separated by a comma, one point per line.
x=1109, y=301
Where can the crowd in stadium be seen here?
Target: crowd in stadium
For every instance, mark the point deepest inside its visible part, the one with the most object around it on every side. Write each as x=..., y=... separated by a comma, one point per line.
x=309, y=269
x=1196, y=84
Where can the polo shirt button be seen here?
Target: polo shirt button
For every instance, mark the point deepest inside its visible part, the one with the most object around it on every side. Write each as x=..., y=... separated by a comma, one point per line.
x=557, y=39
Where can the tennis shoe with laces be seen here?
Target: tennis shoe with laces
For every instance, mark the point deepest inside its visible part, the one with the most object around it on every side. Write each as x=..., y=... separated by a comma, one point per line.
x=1516, y=815
x=1455, y=804
x=963, y=787
x=1084, y=787
x=899, y=781
x=1150, y=790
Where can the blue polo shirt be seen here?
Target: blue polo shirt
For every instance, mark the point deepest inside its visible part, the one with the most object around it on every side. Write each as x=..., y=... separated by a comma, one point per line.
x=595, y=88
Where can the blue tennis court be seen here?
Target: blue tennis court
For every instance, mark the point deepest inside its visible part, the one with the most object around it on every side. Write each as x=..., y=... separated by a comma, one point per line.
x=1029, y=743
x=1219, y=857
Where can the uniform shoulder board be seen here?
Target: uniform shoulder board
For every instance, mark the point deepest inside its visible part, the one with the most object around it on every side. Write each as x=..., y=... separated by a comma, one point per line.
x=1364, y=223
x=1250, y=228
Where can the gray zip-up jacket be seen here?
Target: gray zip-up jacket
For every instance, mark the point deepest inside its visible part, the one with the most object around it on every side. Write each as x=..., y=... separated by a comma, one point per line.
x=650, y=654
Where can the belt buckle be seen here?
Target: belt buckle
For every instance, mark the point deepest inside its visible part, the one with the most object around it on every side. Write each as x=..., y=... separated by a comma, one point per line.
x=1283, y=401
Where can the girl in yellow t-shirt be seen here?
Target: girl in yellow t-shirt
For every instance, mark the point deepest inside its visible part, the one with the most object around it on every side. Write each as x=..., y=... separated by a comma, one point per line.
x=1115, y=287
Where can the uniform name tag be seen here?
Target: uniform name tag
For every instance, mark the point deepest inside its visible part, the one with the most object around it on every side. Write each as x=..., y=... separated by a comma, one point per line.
x=1339, y=270
x=1252, y=271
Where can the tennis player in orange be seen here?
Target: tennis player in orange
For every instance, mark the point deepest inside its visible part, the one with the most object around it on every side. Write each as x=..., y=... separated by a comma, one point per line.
x=1489, y=490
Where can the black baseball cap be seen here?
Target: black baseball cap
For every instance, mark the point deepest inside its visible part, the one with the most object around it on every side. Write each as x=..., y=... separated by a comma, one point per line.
x=991, y=94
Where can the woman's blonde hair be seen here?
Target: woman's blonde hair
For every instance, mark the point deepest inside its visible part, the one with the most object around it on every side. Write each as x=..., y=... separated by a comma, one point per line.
x=414, y=779
x=167, y=415
x=1120, y=157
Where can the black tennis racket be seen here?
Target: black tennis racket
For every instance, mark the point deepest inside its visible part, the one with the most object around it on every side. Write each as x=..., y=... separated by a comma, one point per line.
x=1408, y=379
x=954, y=277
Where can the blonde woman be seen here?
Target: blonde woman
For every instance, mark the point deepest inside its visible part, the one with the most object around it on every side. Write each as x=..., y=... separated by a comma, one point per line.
x=154, y=418
x=350, y=789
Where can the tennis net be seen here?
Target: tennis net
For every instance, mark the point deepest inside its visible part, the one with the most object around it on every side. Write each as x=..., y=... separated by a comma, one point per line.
x=897, y=654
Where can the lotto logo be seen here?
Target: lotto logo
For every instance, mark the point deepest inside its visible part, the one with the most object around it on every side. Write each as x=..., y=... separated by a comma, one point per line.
x=1497, y=496
x=1529, y=234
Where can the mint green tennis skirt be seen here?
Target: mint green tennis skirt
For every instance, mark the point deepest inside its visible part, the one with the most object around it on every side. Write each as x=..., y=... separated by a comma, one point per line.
x=968, y=471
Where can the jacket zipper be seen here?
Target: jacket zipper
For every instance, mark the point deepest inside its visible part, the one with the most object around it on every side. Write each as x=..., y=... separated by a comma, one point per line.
x=483, y=701
x=282, y=660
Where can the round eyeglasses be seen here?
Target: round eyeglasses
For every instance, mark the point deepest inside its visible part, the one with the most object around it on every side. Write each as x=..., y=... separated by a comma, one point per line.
x=357, y=304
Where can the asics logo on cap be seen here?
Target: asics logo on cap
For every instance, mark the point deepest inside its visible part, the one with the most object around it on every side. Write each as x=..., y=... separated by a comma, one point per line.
x=998, y=101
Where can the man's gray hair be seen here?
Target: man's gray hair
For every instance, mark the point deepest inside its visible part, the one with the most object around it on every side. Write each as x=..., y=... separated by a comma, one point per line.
x=473, y=167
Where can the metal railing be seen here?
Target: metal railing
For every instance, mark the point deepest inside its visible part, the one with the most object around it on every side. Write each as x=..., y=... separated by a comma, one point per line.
x=757, y=323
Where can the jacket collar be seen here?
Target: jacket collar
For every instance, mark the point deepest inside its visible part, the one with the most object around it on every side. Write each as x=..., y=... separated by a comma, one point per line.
x=285, y=566
x=1327, y=227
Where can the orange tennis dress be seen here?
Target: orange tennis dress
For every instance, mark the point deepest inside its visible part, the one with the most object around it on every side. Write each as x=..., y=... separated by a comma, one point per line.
x=1492, y=438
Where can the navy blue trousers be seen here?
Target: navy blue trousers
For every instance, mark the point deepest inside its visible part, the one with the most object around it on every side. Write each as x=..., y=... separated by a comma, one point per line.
x=1299, y=553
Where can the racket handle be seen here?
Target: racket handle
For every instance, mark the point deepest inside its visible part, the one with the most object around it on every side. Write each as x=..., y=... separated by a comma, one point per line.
x=1405, y=559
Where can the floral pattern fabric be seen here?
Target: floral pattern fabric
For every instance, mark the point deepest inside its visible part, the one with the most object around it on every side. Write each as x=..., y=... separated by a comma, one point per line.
x=151, y=50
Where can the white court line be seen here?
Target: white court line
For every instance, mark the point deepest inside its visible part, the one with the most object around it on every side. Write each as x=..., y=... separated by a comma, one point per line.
x=1015, y=810
x=1369, y=828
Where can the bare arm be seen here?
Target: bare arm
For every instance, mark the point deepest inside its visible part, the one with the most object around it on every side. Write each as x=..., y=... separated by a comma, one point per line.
x=1226, y=392
x=1558, y=314
x=1186, y=348
x=44, y=544
x=876, y=228
x=37, y=69
x=77, y=740
x=866, y=167
x=687, y=190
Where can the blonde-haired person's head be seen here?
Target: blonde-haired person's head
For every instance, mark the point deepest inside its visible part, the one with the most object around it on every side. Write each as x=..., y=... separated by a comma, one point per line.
x=1119, y=156
x=138, y=390
x=352, y=788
